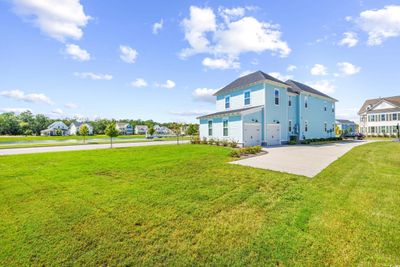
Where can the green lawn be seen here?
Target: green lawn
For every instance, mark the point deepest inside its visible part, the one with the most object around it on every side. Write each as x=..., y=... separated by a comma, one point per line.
x=185, y=205
x=11, y=138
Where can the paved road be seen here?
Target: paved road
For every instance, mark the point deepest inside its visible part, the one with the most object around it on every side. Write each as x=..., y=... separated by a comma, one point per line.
x=16, y=151
x=307, y=160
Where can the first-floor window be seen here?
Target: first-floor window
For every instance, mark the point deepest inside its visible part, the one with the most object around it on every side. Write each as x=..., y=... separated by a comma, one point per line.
x=225, y=126
x=325, y=127
x=210, y=128
x=290, y=126
x=306, y=126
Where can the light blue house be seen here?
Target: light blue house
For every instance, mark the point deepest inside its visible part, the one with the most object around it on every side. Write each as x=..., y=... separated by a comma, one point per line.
x=346, y=126
x=259, y=109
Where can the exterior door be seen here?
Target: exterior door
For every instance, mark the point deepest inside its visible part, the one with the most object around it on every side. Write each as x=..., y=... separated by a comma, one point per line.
x=273, y=134
x=252, y=134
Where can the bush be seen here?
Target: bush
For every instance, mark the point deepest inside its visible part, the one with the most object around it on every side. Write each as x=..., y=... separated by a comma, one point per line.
x=211, y=141
x=292, y=142
x=217, y=142
x=204, y=141
x=235, y=153
x=195, y=140
x=245, y=151
x=317, y=140
x=225, y=142
x=233, y=144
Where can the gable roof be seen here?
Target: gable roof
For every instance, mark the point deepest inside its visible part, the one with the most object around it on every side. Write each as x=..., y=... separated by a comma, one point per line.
x=227, y=112
x=344, y=121
x=248, y=79
x=394, y=100
x=298, y=87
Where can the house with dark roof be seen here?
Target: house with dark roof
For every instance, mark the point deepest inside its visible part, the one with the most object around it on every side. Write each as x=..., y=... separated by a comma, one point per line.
x=259, y=109
x=380, y=116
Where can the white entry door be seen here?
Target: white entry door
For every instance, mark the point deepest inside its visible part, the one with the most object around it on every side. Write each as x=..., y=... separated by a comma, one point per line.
x=273, y=134
x=251, y=134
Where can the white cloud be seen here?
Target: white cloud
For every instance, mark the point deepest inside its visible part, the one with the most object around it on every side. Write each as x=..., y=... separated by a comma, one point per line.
x=16, y=110
x=57, y=19
x=318, y=70
x=32, y=97
x=128, y=54
x=168, y=84
x=349, y=38
x=93, y=76
x=139, y=82
x=226, y=39
x=71, y=105
x=324, y=86
x=204, y=95
x=280, y=76
x=76, y=52
x=220, y=63
x=291, y=68
x=380, y=24
x=347, y=68
x=191, y=112
x=57, y=111
x=158, y=26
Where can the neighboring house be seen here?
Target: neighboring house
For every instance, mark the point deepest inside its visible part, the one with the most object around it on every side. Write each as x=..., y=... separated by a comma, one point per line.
x=346, y=126
x=259, y=109
x=161, y=130
x=141, y=129
x=124, y=128
x=380, y=116
x=75, y=127
x=53, y=128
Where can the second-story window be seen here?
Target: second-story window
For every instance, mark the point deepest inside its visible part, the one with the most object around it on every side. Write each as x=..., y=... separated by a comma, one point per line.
x=383, y=117
x=247, y=98
x=306, y=101
x=325, y=106
x=394, y=116
x=227, y=102
x=276, y=97
x=333, y=107
x=290, y=101
x=209, y=128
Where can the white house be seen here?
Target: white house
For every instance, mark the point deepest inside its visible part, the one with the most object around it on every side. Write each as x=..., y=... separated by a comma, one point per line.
x=161, y=130
x=75, y=127
x=259, y=109
x=54, y=128
x=380, y=116
x=141, y=129
x=124, y=128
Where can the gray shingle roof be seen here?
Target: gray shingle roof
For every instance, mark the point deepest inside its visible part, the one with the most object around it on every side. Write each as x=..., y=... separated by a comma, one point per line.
x=248, y=79
x=227, y=112
x=297, y=87
x=395, y=100
x=344, y=121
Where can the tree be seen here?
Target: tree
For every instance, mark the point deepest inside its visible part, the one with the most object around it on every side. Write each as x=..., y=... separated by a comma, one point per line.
x=9, y=124
x=176, y=129
x=192, y=129
x=151, y=131
x=40, y=123
x=111, y=131
x=84, y=131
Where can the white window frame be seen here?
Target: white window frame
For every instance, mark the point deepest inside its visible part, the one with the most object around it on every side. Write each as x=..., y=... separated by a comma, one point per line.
x=290, y=128
x=279, y=97
x=244, y=97
x=227, y=127
x=210, y=128
x=228, y=97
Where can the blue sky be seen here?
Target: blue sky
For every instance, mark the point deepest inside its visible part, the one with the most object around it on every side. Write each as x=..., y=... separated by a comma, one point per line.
x=163, y=60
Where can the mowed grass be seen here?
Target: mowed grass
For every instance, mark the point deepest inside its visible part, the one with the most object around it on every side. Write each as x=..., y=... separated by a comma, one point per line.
x=185, y=205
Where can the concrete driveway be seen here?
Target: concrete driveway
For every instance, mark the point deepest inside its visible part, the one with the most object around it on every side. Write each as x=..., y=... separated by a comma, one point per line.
x=307, y=160
x=16, y=151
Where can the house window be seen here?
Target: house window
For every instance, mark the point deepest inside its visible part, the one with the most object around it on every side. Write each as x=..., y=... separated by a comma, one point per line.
x=394, y=116
x=290, y=101
x=210, y=128
x=333, y=107
x=227, y=102
x=276, y=96
x=325, y=106
x=306, y=101
x=306, y=126
x=325, y=127
x=383, y=117
x=333, y=128
x=290, y=126
x=225, y=126
x=247, y=98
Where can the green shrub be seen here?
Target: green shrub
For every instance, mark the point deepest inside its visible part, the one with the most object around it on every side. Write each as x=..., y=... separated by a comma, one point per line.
x=235, y=153
x=225, y=142
x=245, y=151
x=204, y=141
x=217, y=142
x=292, y=142
x=211, y=141
x=233, y=144
x=195, y=140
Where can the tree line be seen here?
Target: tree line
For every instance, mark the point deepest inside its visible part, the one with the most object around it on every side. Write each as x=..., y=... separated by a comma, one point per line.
x=27, y=123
